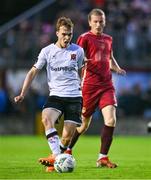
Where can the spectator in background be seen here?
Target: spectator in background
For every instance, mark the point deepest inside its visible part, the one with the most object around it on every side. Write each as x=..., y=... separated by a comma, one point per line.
x=131, y=40
x=3, y=100
x=130, y=18
x=124, y=102
x=137, y=103
x=131, y=101
x=3, y=94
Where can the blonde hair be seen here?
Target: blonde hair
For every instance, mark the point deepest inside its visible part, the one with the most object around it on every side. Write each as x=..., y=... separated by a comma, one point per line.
x=97, y=12
x=64, y=21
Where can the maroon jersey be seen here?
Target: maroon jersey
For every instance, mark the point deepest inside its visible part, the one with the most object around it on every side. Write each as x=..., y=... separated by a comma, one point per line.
x=97, y=50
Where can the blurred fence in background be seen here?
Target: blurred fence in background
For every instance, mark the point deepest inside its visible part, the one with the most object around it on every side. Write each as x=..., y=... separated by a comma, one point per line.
x=129, y=22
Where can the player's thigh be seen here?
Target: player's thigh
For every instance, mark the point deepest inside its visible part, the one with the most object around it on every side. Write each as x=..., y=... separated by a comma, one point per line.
x=107, y=98
x=72, y=111
x=90, y=102
x=109, y=115
x=50, y=115
x=52, y=108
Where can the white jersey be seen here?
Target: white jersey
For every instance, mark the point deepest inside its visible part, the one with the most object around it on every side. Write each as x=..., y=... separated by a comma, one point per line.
x=62, y=66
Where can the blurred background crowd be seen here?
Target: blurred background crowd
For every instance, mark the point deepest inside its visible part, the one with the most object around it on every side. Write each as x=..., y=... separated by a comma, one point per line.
x=128, y=22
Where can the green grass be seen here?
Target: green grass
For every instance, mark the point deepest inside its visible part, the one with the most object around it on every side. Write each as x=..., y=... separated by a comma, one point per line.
x=19, y=155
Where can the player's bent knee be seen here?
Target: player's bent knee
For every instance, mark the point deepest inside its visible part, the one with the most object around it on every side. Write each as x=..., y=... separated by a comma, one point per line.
x=46, y=122
x=111, y=123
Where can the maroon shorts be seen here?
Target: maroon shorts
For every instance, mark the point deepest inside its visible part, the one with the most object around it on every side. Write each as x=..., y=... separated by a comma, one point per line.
x=97, y=98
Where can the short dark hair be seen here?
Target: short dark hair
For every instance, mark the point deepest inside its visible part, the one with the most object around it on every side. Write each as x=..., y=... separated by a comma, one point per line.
x=98, y=12
x=64, y=21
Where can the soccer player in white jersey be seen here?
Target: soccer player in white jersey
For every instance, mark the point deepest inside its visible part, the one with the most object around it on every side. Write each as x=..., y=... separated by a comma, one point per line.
x=63, y=61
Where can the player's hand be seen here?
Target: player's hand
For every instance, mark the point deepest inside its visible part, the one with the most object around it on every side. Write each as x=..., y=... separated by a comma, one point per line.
x=121, y=72
x=19, y=98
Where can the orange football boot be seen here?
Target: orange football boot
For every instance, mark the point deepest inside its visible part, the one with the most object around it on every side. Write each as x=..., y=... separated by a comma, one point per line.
x=49, y=161
x=105, y=162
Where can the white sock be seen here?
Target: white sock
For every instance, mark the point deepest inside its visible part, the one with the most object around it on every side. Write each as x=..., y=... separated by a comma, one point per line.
x=102, y=156
x=53, y=142
x=49, y=131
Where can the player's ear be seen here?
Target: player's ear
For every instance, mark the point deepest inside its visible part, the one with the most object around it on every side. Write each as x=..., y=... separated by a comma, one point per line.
x=89, y=23
x=57, y=33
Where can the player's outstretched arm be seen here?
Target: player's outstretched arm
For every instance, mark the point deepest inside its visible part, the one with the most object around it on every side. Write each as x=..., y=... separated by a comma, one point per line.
x=115, y=67
x=27, y=82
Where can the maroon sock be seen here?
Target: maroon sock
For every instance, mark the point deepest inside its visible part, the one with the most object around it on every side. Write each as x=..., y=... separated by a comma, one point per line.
x=74, y=139
x=106, y=139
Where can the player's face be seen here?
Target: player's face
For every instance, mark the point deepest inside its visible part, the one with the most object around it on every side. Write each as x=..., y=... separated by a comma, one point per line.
x=97, y=24
x=64, y=36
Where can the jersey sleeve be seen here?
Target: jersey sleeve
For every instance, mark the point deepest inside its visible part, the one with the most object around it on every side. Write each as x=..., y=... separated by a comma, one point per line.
x=81, y=58
x=81, y=41
x=41, y=60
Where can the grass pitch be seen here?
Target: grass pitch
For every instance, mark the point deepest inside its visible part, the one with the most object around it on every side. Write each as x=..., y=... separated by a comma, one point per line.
x=19, y=158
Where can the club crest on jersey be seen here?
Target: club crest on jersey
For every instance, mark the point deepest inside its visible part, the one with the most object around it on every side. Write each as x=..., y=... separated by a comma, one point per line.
x=73, y=56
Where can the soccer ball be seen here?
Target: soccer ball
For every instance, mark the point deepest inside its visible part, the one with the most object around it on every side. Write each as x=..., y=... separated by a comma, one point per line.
x=64, y=163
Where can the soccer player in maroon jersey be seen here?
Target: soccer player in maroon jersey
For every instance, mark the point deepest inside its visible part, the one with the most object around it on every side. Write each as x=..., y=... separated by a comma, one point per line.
x=97, y=88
